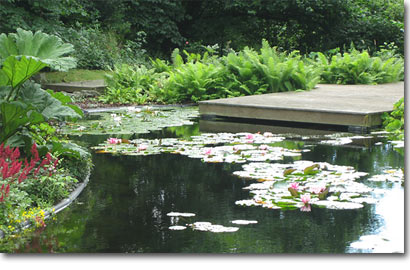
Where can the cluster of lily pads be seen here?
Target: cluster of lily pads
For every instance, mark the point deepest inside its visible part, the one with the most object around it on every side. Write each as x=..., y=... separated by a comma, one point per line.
x=204, y=225
x=133, y=120
x=305, y=183
x=210, y=147
x=280, y=186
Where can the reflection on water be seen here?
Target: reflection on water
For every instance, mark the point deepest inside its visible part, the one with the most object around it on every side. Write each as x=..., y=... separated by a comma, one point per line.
x=125, y=205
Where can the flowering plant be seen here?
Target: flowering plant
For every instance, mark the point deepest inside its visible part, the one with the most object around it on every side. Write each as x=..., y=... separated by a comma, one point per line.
x=28, y=182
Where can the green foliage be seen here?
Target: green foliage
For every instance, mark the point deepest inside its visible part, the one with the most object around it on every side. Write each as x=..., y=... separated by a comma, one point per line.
x=193, y=77
x=27, y=184
x=131, y=84
x=394, y=121
x=23, y=103
x=193, y=82
x=302, y=25
x=269, y=71
x=355, y=67
x=49, y=49
x=96, y=49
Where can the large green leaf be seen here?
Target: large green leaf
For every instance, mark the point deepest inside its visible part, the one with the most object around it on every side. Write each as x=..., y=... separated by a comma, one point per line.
x=14, y=116
x=17, y=70
x=50, y=49
x=46, y=104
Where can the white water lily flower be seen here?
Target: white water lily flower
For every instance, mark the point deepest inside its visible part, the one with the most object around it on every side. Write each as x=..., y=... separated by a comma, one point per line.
x=133, y=109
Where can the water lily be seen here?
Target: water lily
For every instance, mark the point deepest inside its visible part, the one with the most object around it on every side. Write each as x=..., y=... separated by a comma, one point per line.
x=318, y=189
x=268, y=134
x=294, y=186
x=208, y=152
x=305, y=208
x=305, y=198
x=249, y=136
x=142, y=147
x=134, y=109
x=115, y=117
x=114, y=141
x=263, y=147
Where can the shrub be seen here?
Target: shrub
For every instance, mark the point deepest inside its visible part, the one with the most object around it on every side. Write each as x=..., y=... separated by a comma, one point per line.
x=358, y=67
x=96, y=49
x=130, y=84
x=394, y=122
x=269, y=71
x=193, y=77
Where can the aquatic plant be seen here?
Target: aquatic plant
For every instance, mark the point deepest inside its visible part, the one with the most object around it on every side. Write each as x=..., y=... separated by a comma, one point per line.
x=132, y=120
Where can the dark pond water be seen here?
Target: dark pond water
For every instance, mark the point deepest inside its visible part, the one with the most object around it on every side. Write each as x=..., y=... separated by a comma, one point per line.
x=124, y=207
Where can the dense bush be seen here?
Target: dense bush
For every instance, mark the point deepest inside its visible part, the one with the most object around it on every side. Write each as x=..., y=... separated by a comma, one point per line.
x=358, y=67
x=303, y=25
x=195, y=77
x=192, y=77
x=131, y=84
x=394, y=122
x=95, y=49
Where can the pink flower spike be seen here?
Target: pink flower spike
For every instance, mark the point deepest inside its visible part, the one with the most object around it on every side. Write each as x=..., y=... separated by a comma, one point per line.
x=305, y=198
x=114, y=141
x=294, y=186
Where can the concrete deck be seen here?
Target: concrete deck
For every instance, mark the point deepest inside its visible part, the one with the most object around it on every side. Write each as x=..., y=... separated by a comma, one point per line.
x=97, y=85
x=347, y=105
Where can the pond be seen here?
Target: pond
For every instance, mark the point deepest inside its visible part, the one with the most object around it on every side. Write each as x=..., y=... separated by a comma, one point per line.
x=176, y=196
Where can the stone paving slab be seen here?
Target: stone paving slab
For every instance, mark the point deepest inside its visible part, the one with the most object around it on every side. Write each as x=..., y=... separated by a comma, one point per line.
x=97, y=85
x=348, y=105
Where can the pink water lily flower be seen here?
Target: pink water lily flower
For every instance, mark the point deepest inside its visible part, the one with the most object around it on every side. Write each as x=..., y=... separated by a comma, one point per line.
x=114, y=141
x=142, y=147
x=294, y=186
x=318, y=190
x=249, y=136
x=208, y=152
x=263, y=147
x=305, y=198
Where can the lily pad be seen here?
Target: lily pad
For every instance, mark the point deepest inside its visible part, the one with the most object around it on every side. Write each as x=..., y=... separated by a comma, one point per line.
x=177, y=228
x=244, y=222
x=177, y=214
x=132, y=121
x=209, y=227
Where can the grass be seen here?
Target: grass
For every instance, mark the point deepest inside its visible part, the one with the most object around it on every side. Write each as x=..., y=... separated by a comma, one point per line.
x=74, y=75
